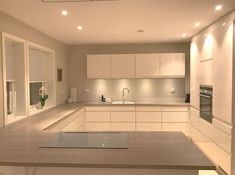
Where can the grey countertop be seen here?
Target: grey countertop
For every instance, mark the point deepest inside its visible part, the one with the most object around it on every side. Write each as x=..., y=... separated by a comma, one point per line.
x=173, y=102
x=20, y=146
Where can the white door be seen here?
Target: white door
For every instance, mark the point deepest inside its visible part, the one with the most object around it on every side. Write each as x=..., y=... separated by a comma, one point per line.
x=172, y=65
x=147, y=65
x=98, y=66
x=123, y=65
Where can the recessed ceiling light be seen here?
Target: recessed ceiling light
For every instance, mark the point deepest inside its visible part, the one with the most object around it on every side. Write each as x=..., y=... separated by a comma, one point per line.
x=140, y=31
x=184, y=35
x=224, y=24
x=79, y=27
x=218, y=7
x=64, y=12
x=197, y=24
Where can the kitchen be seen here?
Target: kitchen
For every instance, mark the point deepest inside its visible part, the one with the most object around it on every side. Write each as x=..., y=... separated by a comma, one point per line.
x=143, y=74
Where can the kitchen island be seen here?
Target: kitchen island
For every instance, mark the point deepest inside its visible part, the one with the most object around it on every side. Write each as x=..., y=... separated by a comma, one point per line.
x=147, y=152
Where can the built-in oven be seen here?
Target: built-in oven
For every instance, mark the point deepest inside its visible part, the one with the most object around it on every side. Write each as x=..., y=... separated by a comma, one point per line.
x=206, y=95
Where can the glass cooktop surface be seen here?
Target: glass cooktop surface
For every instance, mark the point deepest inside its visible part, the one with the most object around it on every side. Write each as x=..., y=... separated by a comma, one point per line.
x=88, y=140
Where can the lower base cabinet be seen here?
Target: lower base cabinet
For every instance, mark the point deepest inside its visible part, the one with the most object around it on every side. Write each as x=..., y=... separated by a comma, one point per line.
x=131, y=118
x=148, y=127
x=123, y=127
x=92, y=126
x=181, y=127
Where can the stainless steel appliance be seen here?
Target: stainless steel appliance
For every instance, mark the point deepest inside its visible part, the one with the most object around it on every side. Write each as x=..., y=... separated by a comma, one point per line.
x=206, y=95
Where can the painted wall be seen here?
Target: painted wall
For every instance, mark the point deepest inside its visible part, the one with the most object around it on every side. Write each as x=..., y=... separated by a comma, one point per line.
x=14, y=27
x=139, y=88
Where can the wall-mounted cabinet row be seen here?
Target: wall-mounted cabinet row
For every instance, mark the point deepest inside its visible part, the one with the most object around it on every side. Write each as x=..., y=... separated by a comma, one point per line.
x=28, y=75
x=154, y=65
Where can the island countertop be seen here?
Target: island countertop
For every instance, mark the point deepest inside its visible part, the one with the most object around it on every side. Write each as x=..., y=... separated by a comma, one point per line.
x=20, y=143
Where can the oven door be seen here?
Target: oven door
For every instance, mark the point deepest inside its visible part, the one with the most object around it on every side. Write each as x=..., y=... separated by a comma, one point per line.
x=206, y=107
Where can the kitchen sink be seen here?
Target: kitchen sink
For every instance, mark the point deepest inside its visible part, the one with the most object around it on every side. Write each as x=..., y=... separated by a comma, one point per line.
x=123, y=102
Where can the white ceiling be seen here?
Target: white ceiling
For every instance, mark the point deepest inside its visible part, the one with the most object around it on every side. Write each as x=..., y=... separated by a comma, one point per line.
x=117, y=21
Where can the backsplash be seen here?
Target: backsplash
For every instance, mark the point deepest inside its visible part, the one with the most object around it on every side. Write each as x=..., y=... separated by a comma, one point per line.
x=139, y=89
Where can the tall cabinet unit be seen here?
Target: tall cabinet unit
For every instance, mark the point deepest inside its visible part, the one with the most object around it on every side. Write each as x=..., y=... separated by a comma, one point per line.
x=212, y=63
x=41, y=77
x=14, y=78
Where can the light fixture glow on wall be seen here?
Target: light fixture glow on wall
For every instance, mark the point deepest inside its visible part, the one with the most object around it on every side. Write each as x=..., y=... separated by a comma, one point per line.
x=218, y=7
x=64, y=12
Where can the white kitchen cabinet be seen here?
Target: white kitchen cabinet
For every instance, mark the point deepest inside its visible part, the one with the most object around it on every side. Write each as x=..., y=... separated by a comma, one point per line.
x=148, y=116
x=194, y=74
x=75, y=125
x=175, y=117
x=175, y=108
x=97, y=116
x=123, y=66
x=223, y=73
x=94, y=126
x=148, y=126
x=147, y=65
x=172, y=65
x=122, y=116
x=205, y=73
x=123, y=126
x=98, y=66
x=177, y=127
x=206, y=47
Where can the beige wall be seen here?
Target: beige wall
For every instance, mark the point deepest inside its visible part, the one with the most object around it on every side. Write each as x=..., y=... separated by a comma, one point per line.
x=140, y=88
x=17, y=28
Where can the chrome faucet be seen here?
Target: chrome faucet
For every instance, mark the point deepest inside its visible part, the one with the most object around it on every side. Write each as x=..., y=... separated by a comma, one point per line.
x=123, y=93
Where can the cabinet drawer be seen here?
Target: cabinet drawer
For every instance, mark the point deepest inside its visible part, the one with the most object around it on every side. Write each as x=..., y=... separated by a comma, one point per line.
x=175, y=117
x=123, y=108
x=178, y=127
x=97, y=108
x=97, y=127
x=97, y=116
x=148, y=116
x=175, y=108
x=148, y=127
x=149, y=108
x=75, y=125
x=122, y=126
x=122, y=116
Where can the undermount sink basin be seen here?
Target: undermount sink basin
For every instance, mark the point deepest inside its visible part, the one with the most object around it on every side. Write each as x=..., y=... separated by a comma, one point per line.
x=123, y=102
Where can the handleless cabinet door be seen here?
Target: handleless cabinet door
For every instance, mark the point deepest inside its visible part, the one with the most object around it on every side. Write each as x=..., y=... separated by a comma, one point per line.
x=123, y=66
x=147, y=65
x=98, y=66
x=223, y=73
x=172, y=65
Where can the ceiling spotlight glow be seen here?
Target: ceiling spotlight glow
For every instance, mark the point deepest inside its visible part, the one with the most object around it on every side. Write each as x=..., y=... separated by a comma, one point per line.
x=184, y=35
x=197, y=24
x=79, y=27
x=64, y=12
x=224, y=24
x=218, y=7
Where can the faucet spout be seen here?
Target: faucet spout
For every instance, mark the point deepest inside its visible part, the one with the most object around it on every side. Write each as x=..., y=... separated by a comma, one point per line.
x=123, y=93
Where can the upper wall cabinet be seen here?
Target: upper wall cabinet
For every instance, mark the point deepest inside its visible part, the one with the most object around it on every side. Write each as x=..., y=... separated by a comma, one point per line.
x=154, y=65
x=98, y=66
x=123, y=66
x=172, y=65
x=147, y=65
